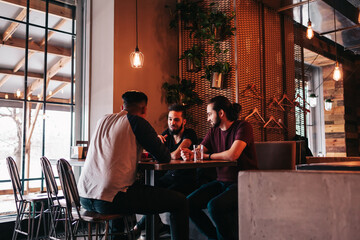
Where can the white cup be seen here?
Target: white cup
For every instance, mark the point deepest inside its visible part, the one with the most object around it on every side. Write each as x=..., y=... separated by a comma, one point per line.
x=198, y=152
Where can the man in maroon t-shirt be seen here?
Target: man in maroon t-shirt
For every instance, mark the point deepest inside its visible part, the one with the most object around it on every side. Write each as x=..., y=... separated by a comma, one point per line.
x=228, y=139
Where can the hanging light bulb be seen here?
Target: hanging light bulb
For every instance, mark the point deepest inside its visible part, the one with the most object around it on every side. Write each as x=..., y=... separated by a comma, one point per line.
x=328, y=104
x=337, y=72
x=309, y=31
x=6, y=96
x=312, y=100
x=136, y=57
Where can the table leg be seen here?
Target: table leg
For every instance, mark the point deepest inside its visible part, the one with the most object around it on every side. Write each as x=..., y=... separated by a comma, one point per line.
x=150, y=219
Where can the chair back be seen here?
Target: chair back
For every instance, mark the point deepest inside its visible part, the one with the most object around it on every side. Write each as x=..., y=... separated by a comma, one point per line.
x=68, y=185
x=51, y=185
x=15, y=178
x=276, y=155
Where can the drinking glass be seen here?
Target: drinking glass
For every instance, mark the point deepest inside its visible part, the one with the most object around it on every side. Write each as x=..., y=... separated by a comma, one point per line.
x=198, y=152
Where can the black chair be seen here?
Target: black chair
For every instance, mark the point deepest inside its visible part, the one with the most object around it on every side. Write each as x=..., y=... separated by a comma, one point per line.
x=25, y=204
x=56, y=201
x=75, y=214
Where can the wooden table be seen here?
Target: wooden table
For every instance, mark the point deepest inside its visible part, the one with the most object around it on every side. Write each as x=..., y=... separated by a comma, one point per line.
x=150, y=167
x=332, y=166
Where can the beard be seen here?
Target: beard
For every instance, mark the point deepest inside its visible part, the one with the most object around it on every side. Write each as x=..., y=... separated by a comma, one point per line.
x=175, y=132
x=217, y=121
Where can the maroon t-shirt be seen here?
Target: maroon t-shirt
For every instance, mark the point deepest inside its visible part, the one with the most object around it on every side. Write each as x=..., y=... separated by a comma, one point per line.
x=217, y=141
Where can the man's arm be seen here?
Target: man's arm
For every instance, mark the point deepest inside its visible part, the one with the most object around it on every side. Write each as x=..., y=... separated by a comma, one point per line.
x=145, y=134
x=186, y=143
x=231, y=154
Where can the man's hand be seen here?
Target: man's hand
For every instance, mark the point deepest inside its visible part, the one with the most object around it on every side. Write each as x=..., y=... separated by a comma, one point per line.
x=186, y=154
x=162, y=138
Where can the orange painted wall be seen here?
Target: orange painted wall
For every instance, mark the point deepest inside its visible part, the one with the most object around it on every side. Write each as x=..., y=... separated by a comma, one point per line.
x=157, y=42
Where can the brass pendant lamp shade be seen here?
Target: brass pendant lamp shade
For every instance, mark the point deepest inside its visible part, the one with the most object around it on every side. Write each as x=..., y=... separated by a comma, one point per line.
x=136, y=57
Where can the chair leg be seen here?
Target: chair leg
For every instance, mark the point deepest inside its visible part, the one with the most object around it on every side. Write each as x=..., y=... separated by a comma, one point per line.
x=40, y=218
x=106, y=229
x=89, y=230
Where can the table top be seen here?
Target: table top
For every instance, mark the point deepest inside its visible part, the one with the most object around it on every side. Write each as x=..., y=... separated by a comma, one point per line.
x=180, y=164
x=75, y=162
x=340, y=166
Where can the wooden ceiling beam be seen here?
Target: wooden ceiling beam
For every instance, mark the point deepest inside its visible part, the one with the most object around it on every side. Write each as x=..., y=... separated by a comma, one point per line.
x=4, y=79
x=33, y=75
x=13, y=26
x=20, y=43
x=38, y=5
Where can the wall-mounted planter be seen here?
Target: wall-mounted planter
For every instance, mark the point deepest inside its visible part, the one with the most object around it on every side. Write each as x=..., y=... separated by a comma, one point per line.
x=191, y=66
x=217, y=80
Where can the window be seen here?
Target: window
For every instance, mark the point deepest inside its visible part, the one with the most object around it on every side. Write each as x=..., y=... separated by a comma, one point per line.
x=37, y=88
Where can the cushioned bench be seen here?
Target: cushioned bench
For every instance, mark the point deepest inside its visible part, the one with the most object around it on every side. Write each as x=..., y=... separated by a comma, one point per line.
x=298, y=205
x=276, y=155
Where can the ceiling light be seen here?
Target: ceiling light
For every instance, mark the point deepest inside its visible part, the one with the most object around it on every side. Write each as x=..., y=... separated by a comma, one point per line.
x=136, y=57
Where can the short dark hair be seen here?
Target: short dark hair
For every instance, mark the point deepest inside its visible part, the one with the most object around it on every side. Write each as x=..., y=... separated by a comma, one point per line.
x=133, y=100
x=232, y=110
x=178, y=108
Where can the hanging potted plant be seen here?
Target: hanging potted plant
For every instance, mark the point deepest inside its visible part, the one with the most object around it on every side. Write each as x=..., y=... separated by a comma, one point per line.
x=216, y=74
x=193, y=57
x=220, y=26
x=181, y=92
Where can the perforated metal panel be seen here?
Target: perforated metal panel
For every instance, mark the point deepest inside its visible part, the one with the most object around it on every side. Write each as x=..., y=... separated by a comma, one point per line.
x=249, y=62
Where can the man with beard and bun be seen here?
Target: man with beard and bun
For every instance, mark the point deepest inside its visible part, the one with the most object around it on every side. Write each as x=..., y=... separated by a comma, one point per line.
x=228, y=139
x=175, y=137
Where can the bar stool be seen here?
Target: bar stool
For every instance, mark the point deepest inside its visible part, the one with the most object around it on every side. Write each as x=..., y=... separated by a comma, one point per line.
x=25, y=204
x=75, y=214
x=56, y=201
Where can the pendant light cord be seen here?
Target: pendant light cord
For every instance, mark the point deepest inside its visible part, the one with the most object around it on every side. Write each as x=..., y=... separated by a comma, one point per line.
x=335, y=35
x=136, y=13
x=309, y=9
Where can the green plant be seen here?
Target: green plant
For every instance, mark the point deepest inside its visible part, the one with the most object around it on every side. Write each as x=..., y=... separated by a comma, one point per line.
x=219, y=67
x=196, y=53
x=220, y=26
x=181, y=92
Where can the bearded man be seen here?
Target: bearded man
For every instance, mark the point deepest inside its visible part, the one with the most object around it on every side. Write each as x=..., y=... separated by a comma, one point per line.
x=175, y=137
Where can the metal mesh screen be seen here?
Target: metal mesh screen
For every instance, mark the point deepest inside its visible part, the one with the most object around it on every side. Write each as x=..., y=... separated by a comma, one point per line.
x=249, y=62
x=203, y=88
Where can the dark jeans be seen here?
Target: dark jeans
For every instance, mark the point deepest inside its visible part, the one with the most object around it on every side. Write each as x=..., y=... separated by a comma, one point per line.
x=183, y=184
x=220, y=198
x=143, y=199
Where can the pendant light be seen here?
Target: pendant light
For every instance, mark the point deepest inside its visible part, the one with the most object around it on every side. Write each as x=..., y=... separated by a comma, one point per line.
x=328, y=104
x=309, y=31
x=337, y=72
x=136, y=57
x=312, y=100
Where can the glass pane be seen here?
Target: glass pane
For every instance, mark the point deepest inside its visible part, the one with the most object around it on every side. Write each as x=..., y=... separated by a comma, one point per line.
x=60, y=16
x=37, y=12
x=57, y=131
x=11, y=122
x=12, y=11
x=34, y=141
x=60, y=69
x=11, y=52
